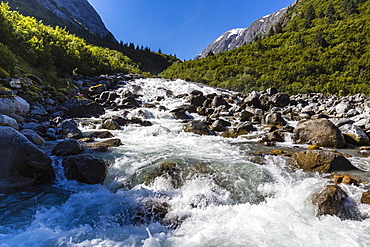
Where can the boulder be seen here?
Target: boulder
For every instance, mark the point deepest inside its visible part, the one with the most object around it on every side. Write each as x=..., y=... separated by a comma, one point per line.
x=8, y=121
x=32, y=136
x=101, y=134
x=180, y=113
x=217, y=126
x=219, y=101
x=67, y=148
x=321, y=132
x=110, y=124
x=91, y=109
x=365, y=198
x=354, y=134
x=329, y=201
x=14, y=105
x=275, y=118
x=104, y=145
x=197, y=127
x=22, y=163
x=85, y=169
x=70, y=129
x=280, y=100
x=321, y=161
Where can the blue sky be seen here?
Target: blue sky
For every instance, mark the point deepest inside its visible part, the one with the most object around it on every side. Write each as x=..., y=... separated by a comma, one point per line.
x=181, y=27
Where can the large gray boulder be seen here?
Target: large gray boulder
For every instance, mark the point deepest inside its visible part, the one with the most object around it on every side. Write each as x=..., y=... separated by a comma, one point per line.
x=22, y=163
x=354, y=134
x=14, y=105
x=197, y=127
x=321, y=132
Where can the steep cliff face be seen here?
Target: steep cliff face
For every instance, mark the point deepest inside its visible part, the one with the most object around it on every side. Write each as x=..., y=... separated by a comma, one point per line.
x=237, y=37
x=78, y=12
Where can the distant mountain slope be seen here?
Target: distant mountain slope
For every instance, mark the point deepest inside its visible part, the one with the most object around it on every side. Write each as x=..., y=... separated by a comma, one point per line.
x=235, y=38
x=80, y=18
x=323, y=46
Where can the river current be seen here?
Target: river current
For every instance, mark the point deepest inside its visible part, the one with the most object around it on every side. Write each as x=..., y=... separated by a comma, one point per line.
x=222, y=196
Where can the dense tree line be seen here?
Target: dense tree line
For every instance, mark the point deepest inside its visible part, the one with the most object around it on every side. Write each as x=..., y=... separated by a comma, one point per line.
x=321, y=46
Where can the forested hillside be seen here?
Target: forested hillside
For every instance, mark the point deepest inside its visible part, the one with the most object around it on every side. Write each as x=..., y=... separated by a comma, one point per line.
x=146, y=59
x=321, y=46
x=28, y=44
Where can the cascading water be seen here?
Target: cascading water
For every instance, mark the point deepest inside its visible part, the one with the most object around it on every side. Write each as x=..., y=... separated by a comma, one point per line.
x=216, y=194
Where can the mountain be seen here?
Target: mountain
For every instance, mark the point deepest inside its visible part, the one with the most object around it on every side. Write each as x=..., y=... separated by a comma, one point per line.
x=77, y=15
x=235, y=38
x=322, y=46
x=80, y=18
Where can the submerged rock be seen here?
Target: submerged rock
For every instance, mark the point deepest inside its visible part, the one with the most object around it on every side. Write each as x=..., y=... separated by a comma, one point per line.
x=22, y=163
x=321, y=132
x=321, y=161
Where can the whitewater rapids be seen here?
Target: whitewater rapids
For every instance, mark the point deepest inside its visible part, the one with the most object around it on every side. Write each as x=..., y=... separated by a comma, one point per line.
x=236, y=201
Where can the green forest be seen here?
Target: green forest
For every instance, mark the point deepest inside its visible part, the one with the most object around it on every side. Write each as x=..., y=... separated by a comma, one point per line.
x=320, y=46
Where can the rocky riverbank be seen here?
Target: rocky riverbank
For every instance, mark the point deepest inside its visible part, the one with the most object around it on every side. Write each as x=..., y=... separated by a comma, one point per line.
x=41, y=124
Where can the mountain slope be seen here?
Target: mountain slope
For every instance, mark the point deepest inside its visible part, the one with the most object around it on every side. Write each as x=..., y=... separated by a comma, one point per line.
x=235, y=38
x=322, y=47
x=80, y=18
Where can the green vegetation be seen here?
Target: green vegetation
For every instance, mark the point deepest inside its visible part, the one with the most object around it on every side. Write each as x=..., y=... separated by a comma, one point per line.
x=147, y=60
x=322, y=46
x=26, y=42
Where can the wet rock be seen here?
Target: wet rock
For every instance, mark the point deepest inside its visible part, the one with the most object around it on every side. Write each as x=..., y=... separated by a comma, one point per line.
x=14, y=105
x=321, y=161
x=320, y=132
x=238, y=130
x=273, y=137
x=275, y=118
x=101, y=134
x=217, y=126
x=329, y=201
x=22, y=163
x=243, y=116
x=110, y=124
x=219, y=101
x=197, y=98
x=67, y=148
x=104, y=145
x=70, y=129
x=346, y=179
x=180, y=113
x=197, y=127
x=365, y=198
x=8, y=121
x=85, y=169
x=32, y=136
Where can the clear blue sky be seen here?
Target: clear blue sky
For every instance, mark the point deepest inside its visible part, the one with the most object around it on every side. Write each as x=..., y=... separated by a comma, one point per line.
x=181, y=27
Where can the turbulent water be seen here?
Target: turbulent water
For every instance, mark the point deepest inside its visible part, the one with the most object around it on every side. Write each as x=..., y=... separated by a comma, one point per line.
x=221, y=195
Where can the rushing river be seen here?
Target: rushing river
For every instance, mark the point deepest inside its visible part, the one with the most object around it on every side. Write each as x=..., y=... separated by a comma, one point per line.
x=221, y=195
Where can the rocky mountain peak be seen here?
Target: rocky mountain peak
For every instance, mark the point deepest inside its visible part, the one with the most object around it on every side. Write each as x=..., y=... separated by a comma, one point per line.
x=235, y=38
